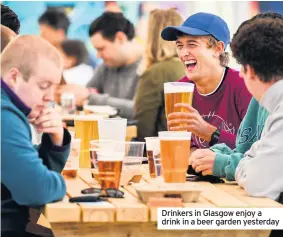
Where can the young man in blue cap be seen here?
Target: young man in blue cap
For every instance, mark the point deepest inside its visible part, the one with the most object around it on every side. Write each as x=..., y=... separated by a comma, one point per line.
x=220, y=98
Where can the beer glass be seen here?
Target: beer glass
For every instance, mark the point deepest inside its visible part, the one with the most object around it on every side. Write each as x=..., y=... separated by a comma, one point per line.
x=174, y=151
x=133, y=155
x=153, y=156
x=73, y=163
x=96, y=146
x=112, y=129
x=177, y=92
x=86, y=128
x=109, y=168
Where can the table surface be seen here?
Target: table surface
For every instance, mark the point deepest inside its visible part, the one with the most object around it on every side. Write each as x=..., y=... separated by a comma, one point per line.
x=131, y=217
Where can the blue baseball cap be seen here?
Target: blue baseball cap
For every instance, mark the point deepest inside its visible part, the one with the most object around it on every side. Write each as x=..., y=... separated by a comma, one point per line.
x=200, y=24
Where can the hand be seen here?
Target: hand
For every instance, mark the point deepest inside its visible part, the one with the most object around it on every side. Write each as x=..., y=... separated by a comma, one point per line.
x=192, y=121
x=202, y=160
x=48, y=121
x=81, y=93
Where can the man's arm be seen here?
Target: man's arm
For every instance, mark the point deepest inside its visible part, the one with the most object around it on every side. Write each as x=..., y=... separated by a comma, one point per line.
x=54, y=157
x=125, y=106
x=30, y=182
x=260, y=171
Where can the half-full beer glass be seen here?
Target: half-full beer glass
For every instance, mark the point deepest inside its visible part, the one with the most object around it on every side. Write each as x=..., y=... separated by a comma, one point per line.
x=86, y=128
x=174, y=152
x=109, y=168
x=177, y=92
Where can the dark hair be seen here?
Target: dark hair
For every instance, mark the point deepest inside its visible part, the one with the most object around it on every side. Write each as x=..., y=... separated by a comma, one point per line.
x=109, y=23
x=77, y=49
x=55, y=18
x=10, y=19
x=259, y=43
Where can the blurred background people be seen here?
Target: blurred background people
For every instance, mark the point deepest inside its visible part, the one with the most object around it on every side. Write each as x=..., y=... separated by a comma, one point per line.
x=75, y=56
x=10, y=19
x=54, y=25
x=161, y=64
x=113, y=36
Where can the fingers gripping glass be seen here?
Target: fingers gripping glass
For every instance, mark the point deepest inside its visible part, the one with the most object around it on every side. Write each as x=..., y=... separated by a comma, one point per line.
x=109, y=192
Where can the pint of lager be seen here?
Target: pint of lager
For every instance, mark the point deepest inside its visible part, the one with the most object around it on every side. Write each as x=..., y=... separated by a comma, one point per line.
x=177, y=92
x=86, y=128
x=109, y=168
x=175, y=151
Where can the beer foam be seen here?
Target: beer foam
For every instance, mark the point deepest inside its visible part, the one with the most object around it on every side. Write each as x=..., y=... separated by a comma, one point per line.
x=110, y=156
x=174, y=135
x=175, y=87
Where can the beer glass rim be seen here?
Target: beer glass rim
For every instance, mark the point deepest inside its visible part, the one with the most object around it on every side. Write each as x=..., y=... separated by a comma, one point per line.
x=101, y=140
x=172, y=87
x=112, y=119
x=110, y=156
x=87, y=117
x=151, y=138
x=174, y=135
x=131, y=143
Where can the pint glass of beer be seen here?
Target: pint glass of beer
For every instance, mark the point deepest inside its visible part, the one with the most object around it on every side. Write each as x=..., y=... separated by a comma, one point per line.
x=177, y=92
x=174, y=151
x=109, y=168
x=86, y=128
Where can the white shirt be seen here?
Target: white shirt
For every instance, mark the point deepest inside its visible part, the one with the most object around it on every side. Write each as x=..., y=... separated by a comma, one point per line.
x=79, y=75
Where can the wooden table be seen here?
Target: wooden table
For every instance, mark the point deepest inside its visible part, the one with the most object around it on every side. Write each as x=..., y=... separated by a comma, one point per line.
x=129, y=217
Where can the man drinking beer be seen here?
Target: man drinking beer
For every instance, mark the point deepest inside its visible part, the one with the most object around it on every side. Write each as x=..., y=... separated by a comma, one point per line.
x=220, y=97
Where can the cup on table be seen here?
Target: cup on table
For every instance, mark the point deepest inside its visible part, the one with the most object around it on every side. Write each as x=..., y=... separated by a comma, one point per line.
x=109, y=168
x=133, y=154
x=174, y=152
x=153, y=156
x=99, y=146
x=177, y=92
x=112, y=129
x=73, y=162
x=86, y=128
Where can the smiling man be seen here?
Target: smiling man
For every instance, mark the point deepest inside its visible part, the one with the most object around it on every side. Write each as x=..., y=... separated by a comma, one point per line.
x=220, y=98
x=30, y=176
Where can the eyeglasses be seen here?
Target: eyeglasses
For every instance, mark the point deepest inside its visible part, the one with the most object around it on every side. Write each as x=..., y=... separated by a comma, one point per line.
x=109, y=192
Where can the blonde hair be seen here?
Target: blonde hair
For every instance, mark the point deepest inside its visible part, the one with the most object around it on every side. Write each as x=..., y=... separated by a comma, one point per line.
x=23, y=53
x=157, y=49
x=224, y=56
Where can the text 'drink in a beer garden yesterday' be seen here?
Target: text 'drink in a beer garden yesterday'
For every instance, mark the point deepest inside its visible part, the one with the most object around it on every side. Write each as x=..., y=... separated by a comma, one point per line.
x=220, y=218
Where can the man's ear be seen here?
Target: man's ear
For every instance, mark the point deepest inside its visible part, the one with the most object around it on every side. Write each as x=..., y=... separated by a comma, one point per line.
x=13, y=75
x=62, y=33
x=121, y=37
x=250, y=72
x=219, y=49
